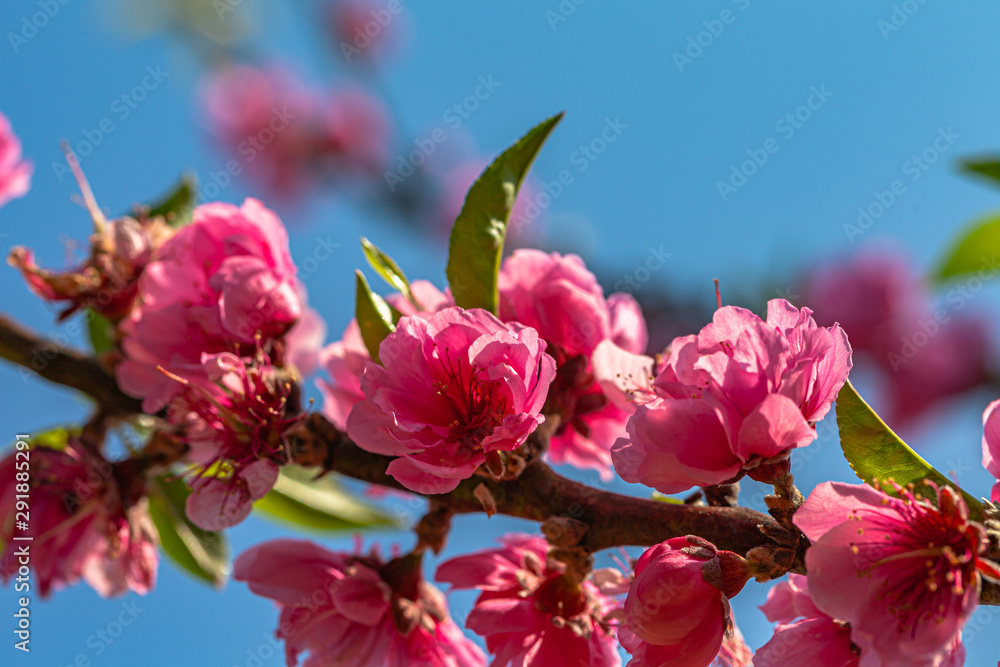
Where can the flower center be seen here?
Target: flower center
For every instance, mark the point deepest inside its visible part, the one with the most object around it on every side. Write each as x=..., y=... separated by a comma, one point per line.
x=927, y=563
x=474, y=401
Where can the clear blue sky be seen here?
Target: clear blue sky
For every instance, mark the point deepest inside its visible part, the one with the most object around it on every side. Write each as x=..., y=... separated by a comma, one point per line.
x=656, y=185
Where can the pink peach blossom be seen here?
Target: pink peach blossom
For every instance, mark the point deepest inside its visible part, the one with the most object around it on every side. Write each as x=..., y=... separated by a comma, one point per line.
x=563, y=301
x=355, y=132
x=456, y=388
x=677, y=609
x=807, y=636
x=354, y=610
x=83, y=524
x=236, y=425
x=529, y=610
x=742, y=392
x=220, y=284
x=15, y=173
x=904, y=574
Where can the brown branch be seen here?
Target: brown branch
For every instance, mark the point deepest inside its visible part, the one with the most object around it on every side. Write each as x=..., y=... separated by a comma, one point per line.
x=538, y=494
x=64, y=366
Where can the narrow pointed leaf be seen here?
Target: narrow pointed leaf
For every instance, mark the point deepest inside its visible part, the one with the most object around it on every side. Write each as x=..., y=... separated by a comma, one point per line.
x=321, y=505
x=875, y=452
x=477, y=238
x=388, y=269
x=988, y=167
x=202, y=554
x=375, y=318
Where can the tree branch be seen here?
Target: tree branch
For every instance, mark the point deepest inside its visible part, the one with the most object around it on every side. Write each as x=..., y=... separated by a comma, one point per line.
x=539, y=493
x=64, y=366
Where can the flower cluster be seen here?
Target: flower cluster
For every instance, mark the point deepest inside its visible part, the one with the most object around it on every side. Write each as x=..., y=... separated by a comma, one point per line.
x=83, y=522
x=741, y=393
x=288, y=137
x=224, y=283
x=544, y=296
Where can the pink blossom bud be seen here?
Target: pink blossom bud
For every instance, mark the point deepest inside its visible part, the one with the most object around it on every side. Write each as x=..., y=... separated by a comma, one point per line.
x=677, y=609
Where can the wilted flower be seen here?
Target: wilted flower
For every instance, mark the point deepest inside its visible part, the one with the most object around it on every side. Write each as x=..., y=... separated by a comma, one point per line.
x=108, y=280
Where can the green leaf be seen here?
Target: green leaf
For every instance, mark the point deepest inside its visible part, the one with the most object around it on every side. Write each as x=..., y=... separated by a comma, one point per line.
x=376, y=318
x=320, y=505
x=975, y=251
x=988, y=167
x=176, y=205
x=203, y=554
x=102, y=332
x=875, y=452
x=476, y=245
x=389, y=270
x=659, y=497
x=53, y=438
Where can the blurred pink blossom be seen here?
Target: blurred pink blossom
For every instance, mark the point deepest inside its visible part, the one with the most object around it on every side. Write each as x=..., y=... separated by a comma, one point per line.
x=83, y=523
x=15, y=172
x=354, y=610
